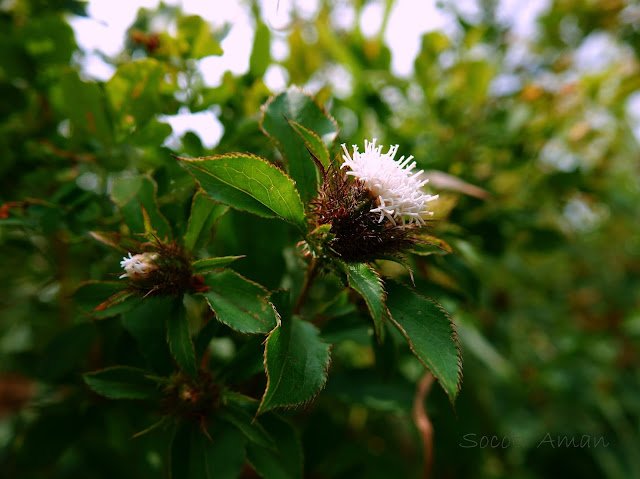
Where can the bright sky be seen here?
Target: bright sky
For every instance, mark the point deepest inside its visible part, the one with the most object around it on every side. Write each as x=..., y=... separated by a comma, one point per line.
x=104, y=31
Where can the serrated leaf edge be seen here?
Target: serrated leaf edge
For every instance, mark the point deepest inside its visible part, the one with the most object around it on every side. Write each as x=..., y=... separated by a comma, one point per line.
x=294, y=124
x=267, y=162
x=453, y=335
x=376, y=327
x=266, y=370
x=266, y=298
x=272, y=98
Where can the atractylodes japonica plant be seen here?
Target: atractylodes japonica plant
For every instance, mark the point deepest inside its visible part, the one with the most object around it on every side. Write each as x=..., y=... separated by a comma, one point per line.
x=347, y=211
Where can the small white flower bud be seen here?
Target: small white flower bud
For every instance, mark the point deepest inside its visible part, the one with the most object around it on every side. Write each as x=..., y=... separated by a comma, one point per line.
x=138, y=265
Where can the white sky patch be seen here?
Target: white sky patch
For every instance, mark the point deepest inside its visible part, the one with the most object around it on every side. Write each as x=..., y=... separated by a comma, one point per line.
x=371, y=18
x=276, y=78
x=409, y=20
x=237, y=50
x=236, y=45
x=96, y=68
x=341, y=80
x=278, y=14
x=522, y=15
x=279, y=48
x=598, y=51
x=307, y=8
x=469, y=10
x=505, y=84
x=343, y=16
x=107, y=23
x=633, y=113
x=204, y=124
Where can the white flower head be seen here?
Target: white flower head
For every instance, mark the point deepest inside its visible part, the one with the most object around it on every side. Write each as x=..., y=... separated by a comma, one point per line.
x=138, y=265
x=397, y=189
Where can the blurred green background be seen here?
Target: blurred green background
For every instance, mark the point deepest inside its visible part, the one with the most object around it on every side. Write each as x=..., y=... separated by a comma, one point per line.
x=531, y=139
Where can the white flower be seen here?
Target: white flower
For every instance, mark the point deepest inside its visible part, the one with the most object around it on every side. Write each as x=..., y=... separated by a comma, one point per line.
x=138, y=265
x=396, y=188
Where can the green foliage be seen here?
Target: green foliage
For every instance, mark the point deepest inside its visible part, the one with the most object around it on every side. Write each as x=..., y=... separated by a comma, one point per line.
x=194, y=455
x=366, y=282
x=294, y=105
x=239, y=303
x=121, y=382
x=208, y=265
x=179, y=339
x=104, y=299
x=248, y=183
x=312, y=142
x=238, y=343
x=197, y=36
x=429, y=330
x=204, y=214
x=296, y=361
x=286, y=461
x=134, y=196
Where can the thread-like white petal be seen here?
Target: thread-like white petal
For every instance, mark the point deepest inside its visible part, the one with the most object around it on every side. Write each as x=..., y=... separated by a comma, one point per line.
x=397, y=187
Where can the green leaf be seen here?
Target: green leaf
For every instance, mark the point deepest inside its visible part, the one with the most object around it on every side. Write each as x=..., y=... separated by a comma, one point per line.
x=103, y=299
x=428, y=245
x=430, y=332
x=179, y=338
x=197, y=35
x=286, y=461
x=479, y=346
x=204, y=214
x=246, y=423
x=294, y=104
x=134, y=93
x=146, y=324
x=196, y=456
x=313, y=143
x=162, y=423
x=479, y=75
x=49, y=39
x=208, y=265
x=249, y=183
x=296, y=361
x=365, y=387
x=87, y=111
x=122, y=382
x=364, y=280
x=239, y=303
x=132, y=195
x=152, y=134
x=261, y=52
x=117, y=241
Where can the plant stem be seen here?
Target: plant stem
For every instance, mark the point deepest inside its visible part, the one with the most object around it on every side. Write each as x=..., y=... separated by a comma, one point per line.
x=423, y=423
x=309, y=279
